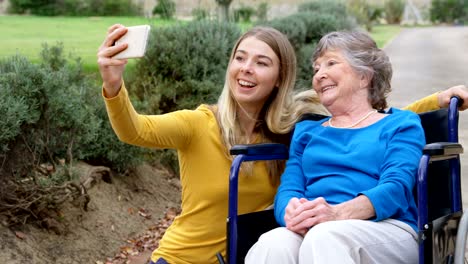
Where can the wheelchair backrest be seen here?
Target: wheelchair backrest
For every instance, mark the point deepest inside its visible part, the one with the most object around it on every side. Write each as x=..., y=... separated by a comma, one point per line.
x=435, y=125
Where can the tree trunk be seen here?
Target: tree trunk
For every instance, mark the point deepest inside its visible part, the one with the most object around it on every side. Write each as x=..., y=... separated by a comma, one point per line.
x=224, y=5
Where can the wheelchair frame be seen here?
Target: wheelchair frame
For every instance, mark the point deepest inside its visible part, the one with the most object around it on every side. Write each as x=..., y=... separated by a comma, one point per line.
x=429, y=229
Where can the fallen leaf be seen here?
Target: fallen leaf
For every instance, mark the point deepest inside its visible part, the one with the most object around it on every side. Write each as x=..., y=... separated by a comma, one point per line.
x=20, y=235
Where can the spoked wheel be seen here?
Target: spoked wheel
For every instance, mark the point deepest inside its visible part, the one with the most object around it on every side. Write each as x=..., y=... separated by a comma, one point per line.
x=461, y=256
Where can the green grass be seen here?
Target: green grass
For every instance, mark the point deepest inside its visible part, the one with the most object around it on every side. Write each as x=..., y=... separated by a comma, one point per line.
x=383, y=34
x=81, y=36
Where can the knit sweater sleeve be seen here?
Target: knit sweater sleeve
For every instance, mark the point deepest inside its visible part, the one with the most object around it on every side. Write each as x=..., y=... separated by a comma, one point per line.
x=293, y=180
x=428, y=103
x=172, y=130
x=393, y=193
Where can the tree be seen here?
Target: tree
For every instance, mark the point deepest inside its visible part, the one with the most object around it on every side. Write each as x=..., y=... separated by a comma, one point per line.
x=224, y=4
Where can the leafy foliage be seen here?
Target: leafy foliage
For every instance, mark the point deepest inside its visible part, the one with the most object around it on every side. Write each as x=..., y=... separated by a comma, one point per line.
x=305, y=28
x=365, y=13
x=293, y=27
x=244, y=14
x=165, y=8
x=75, y=7
x=393, y=10
x=332, y=7
x=319, y=24
x=449, y=11
x=184, y=66
x=200, y=13
x=262, y=11
x=53, y=112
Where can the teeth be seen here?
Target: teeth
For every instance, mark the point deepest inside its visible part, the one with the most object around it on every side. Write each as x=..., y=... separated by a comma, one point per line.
x=245, y=83
x=328, y=87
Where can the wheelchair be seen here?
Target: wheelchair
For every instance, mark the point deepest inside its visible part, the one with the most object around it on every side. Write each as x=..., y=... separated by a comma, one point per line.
x=443, y=227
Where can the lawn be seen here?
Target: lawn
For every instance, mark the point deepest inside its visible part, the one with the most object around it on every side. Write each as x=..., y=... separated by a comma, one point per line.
x=383, y=34
x=81, y=36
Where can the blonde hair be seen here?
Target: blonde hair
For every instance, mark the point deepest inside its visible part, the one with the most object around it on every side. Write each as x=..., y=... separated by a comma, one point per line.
x=279, y=114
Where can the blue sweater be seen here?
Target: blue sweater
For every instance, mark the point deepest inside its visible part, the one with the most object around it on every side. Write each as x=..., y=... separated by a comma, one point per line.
x=379, y=161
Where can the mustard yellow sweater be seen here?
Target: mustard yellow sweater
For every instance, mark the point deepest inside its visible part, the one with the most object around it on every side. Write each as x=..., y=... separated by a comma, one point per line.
x=199, y=232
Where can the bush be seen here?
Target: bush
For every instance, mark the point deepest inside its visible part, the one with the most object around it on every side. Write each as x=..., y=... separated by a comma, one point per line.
x=332, y=7
x=75, y=7
x=200, y=13
x=36, y=7
x=165, y=9
x=304, y=67
x=303, y=30
x=448, y=11
x=52, y=111
x=394, y=11
x=243, y=14
x=318, y=24
x=262, y=12
x=293, y=27
x=366, y=14
x=20, y=100
x=184, y=66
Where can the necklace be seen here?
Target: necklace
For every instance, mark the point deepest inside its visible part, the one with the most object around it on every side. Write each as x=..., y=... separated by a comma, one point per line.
x=355, y=123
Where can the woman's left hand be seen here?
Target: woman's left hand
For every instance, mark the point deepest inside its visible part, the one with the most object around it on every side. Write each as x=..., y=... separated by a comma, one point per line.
x=308, y=214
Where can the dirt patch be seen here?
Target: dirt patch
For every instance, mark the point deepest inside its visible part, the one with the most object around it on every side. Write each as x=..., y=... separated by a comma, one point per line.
x=121, y=208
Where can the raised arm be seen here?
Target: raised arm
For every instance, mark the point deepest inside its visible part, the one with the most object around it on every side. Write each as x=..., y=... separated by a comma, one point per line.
x=440, y=100
x=111, y=69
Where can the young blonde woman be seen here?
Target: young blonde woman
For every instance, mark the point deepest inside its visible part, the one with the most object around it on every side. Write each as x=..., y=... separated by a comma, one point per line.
x=256, y=105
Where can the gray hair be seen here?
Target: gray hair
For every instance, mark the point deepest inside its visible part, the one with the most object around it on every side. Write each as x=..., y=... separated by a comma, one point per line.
x=365, y=57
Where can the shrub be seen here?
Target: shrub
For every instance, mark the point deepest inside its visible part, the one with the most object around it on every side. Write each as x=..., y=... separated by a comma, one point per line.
x=20, y=100
x=293, y=27
x=200, y=13
x=448, y=11
x=75, y=7
x=107, y=149
x=262, y=12
x=366, y=14
x=52, y=111
x=165, y=9
x=318, y=24
x=303, y=30
x=243, y=14
x=332, y=7
x=36, y=7
x=113, y=7
x=184, y=66
x=304, y=67
x=394, y=11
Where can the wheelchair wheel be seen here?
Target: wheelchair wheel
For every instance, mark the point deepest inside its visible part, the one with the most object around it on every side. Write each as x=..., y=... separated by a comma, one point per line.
x=460, y=245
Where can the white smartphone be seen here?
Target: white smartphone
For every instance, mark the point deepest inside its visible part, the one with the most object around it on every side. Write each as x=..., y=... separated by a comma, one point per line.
x=136, y=38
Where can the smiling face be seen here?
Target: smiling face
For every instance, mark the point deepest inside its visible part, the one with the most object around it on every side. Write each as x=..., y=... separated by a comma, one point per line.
x=336, y=82
x=253, y=73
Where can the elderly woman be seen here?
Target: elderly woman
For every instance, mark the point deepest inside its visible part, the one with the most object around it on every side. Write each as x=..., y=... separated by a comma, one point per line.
x=346, y=193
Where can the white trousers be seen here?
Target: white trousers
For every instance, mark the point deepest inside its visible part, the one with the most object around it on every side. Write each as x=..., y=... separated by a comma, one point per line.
x=347, y=241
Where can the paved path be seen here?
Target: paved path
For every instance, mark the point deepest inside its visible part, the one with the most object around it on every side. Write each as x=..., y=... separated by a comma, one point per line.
x=426, y=60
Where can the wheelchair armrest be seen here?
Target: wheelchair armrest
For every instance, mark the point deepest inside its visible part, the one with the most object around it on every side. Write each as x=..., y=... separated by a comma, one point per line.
x=259, y=149
x=443, y=149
